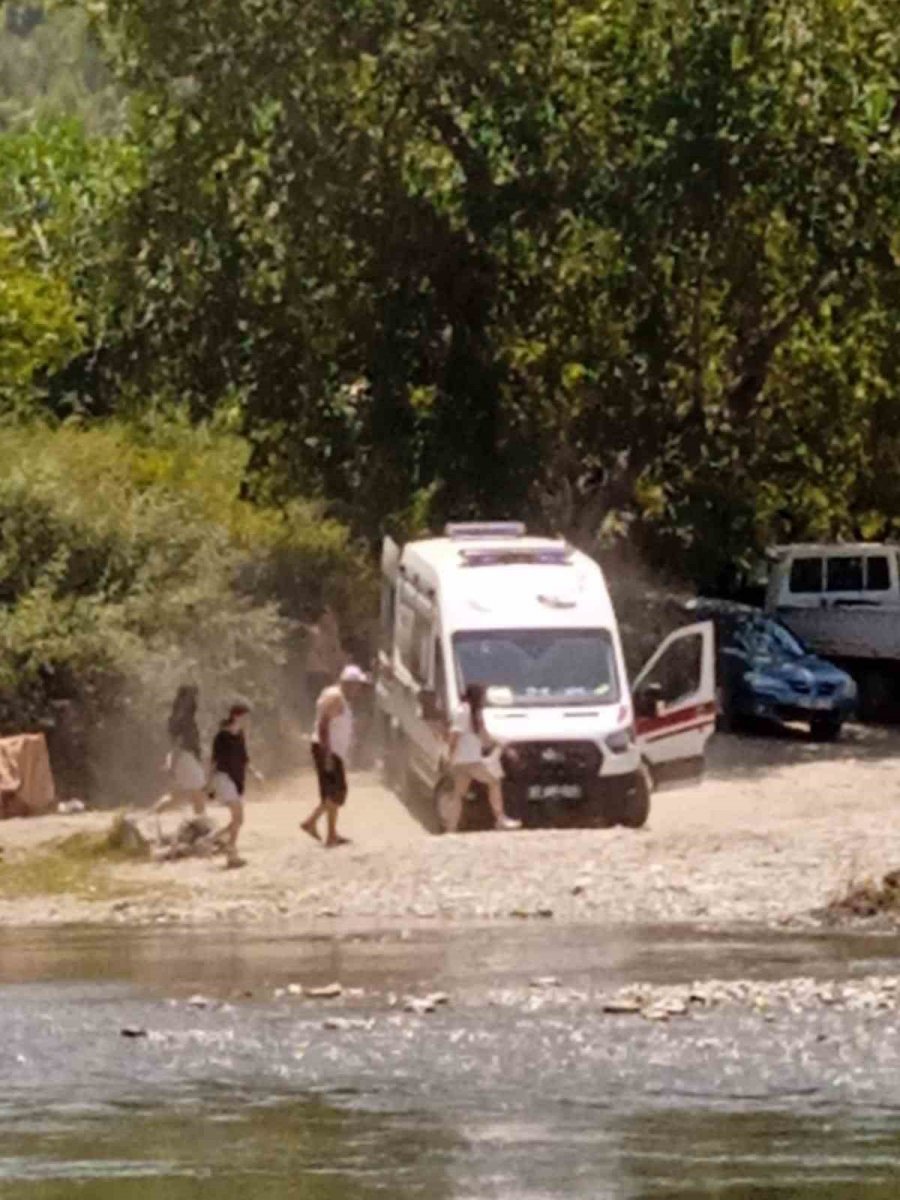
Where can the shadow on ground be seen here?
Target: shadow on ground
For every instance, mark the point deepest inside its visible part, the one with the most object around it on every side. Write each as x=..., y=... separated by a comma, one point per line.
x=765, y=747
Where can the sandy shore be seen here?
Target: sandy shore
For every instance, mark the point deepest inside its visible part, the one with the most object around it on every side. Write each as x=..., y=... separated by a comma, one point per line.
x=777, y=829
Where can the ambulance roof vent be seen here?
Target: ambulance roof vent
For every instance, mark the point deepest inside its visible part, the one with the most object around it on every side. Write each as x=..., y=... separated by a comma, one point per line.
x=461, y=531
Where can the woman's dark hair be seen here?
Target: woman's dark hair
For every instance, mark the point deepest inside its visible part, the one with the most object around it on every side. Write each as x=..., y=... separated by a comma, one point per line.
x=240, y=708
x=474, y=696
x=184, y=709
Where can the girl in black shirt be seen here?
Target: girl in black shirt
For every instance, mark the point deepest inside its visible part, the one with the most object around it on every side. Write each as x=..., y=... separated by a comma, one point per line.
x=230, y=763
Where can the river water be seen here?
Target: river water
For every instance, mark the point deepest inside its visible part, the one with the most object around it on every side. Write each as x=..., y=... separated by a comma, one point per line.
x=261, y=1092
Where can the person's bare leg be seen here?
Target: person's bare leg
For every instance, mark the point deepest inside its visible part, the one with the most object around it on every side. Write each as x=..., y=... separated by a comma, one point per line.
x=231, y=834
x=167, y=802
x=330, y=823
x=334, y=838
x=311, y=824
x=495, y=799
x=198, y=803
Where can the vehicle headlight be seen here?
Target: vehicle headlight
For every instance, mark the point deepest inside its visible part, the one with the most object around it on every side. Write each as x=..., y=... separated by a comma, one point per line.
x=621, y=740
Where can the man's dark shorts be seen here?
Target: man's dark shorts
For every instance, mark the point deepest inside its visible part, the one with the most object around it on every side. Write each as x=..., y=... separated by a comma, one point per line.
x=333, y=782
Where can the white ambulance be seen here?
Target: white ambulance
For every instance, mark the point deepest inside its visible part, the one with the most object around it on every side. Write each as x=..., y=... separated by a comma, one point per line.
x=531, y=620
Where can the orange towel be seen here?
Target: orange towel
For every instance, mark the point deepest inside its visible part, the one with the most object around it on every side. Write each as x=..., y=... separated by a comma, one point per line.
x=26, y=780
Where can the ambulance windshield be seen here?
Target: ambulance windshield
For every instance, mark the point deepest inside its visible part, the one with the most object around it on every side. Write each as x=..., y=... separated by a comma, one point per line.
x=539, y=666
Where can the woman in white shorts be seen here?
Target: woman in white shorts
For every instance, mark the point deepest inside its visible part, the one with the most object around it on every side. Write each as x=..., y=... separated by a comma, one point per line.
x=468, y=743
x=184, y=764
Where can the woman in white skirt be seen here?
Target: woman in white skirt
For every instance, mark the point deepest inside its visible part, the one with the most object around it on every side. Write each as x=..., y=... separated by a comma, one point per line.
x=184, y=763
x=471, y=762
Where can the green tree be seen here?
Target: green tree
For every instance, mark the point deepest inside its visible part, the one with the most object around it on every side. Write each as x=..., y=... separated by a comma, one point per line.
x=304, y=259
x=633, y=265
x=60, y=191
x=130, y=565
x=751, y=170
x=39, y=327
x=51, y=67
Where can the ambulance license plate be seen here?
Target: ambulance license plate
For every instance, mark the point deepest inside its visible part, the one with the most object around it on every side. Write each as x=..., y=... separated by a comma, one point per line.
x=555, y=791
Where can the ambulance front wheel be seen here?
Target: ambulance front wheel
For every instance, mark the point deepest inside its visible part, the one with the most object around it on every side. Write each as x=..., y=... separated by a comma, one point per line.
x=623, y=800
x=636, y=799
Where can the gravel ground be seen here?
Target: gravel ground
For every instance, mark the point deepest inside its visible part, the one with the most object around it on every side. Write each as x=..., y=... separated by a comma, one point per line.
x=779, y=827
x=770, y=999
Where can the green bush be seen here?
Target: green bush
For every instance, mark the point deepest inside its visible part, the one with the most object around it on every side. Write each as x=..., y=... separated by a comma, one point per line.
x=129, y=564
x=293, y=553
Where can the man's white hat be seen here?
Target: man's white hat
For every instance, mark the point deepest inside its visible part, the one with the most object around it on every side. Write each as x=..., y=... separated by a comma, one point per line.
x=353, y=674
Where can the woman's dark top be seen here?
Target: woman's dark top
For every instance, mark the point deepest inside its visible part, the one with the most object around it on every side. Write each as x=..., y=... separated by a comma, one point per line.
x=184, y=733
x=230, y=756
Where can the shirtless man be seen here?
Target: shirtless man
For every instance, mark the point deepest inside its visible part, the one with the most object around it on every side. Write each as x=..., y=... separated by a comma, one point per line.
x=331, y=741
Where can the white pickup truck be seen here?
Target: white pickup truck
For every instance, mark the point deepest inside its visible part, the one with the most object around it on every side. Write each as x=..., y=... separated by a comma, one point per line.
x=843, y=601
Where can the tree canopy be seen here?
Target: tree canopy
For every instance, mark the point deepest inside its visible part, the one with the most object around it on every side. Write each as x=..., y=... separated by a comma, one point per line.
x=631, y=267
x=613, y=260
x=50, y=65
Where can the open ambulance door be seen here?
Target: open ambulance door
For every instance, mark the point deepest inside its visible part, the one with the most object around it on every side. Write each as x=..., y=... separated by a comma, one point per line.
x=389, y=693
x=675, y=703
x=390, y=560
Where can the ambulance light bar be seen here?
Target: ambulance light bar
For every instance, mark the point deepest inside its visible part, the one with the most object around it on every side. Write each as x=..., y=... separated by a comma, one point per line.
x=465, y=531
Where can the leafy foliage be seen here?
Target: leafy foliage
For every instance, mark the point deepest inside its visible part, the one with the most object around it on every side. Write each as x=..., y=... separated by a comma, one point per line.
x=101, y=579
x=60, y=192
x=129, y=565
x=39, y=326
x=51, y=67
x=617, y=261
